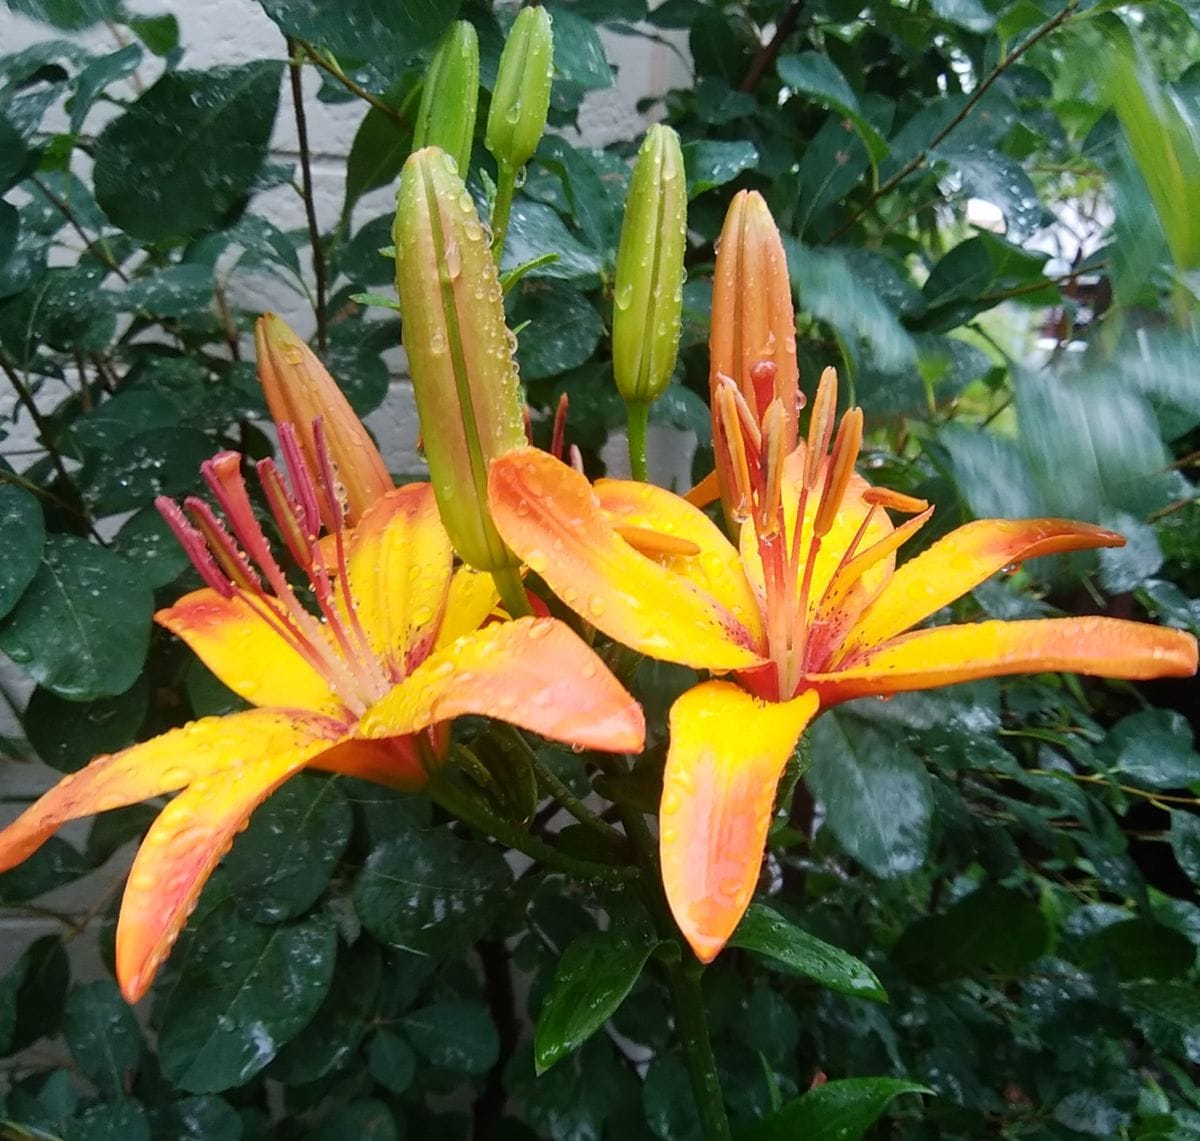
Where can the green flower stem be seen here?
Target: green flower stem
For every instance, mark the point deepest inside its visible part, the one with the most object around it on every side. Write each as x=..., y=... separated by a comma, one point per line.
x=506, y=187
x=639, y=418
x=683, y=981
x=555, y=787
x=469, y=809
x=512, y=591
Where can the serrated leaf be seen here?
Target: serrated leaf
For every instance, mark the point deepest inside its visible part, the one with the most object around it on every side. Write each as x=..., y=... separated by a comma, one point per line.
x=82, y=627
x=768, y=933
x=596, y=972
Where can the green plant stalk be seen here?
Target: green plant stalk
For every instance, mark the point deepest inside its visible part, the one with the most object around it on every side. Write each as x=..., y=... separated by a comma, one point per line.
x=639, y=418
x=683, y=981
x=506, y=188
x=512, y=591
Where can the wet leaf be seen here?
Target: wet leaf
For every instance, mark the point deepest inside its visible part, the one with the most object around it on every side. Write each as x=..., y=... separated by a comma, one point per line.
x=242, y=992
x=68, y=734
x=876, y=795
x=430, y=892
x=710, y=163
x=158, y=462
x=1154, y=747
x=123, y=1120
x=837, y=1111
x=23, y=536
x=103, y=1036
x=188, y=151
x=177, y=291
x=1185, y=843
x=82, y=627
x=563, y=331
x=768, y=933
x=818, y=77
x=1139, y=949
x=596, y=972
x=456, y=1034
x=362, y=30
x=391, y=1060
x=281, y=864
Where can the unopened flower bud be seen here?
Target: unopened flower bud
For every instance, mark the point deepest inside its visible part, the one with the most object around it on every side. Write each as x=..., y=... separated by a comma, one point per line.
x=300, y=390
x=446, y=117
x=649, y=281
x=460, y=353
x=753, y=334
x=521, y=97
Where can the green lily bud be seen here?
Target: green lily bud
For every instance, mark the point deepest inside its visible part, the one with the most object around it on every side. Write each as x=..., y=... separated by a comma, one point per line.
x=521, y=97
x=649, y=280
x=460, y=353
x=446, y=117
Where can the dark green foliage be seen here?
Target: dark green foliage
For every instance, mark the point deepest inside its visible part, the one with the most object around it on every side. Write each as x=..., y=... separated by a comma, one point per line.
x=978, y=913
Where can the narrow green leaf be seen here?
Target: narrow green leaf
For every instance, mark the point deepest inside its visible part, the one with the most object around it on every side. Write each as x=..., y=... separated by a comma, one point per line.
x=813, y=74
x=596, y=972
x=769, y=933
x=837, y=1111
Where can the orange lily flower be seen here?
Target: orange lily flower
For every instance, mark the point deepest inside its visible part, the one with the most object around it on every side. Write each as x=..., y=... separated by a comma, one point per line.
x=809, y=610
x=366, y=688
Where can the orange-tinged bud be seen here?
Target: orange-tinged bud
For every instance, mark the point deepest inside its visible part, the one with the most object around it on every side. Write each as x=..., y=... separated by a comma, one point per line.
x=300, y=390
x=753, y=337
x=459, y=350
x=648, y=289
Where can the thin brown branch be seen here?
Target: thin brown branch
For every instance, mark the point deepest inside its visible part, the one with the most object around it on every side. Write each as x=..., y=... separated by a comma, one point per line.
x=295, y=67
x=96, y=248
x=332, y=69
x=918, y=160
x=770, y=51
x=26, y=398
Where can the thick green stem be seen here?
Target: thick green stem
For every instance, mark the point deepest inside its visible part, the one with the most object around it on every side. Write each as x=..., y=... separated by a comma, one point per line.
x=506, y=187
x=512, y=591
x=639, y=418
x=683, y=981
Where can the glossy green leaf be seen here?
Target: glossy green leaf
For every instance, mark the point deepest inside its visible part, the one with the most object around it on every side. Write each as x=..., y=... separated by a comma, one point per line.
x=994, y=928
x=187, y=152
x=978, y=274
x=69, y=15
x=360, y=29
x=103, y=1036
x=1154, y=748
x=579, y=58
x=123, y=1120
x=768, y=933
x=596, y=972
x=98, y=74
x=159, y=33
x=244, y=990
x=837, y=1111
x=563, y=331
x=391, y=1060
x=159, y=462
x=379, y=149
x=876, y=795
x=969, y=14
x=1185, y=843
x=82, y=627
x=429, y=891
x=995, y=178
x=148, y=543
x=668, y=1101
x=176, y=291
x=1139, y=949
x=710, y=163
x=533, y=229
x=68, y=734
x=24, y=536
x=282, y=863
x=367, y=1119
x=195, y=1119
x=817, y=77
x=456, y=1034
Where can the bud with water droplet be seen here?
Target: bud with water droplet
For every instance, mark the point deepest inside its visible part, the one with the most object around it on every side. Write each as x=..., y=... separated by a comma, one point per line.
x=521, y=97
x=446, y=116
x=300, y=390
x=465, y=379
x=649, y=279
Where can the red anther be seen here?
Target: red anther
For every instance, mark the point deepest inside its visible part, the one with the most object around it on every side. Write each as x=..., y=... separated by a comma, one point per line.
x=301, y=478
x=192, y=542
x=286, y=512
x=558, y=436
x=329, y=481
x=229, y=557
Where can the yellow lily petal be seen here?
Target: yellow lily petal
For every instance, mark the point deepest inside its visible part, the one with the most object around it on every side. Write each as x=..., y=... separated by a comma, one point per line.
x=959, y=562
x=206, y=748
x=716, y=569
x=179, y=853
x=397, y=762
x=472, y=598
x=549, y=516
x=1103, y=647
x=229, y=636
x=727, y=752
x=399, y=563
x=534, y=672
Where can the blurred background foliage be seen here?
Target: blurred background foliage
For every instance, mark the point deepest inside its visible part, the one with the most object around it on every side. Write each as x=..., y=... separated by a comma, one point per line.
x=990, y=212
